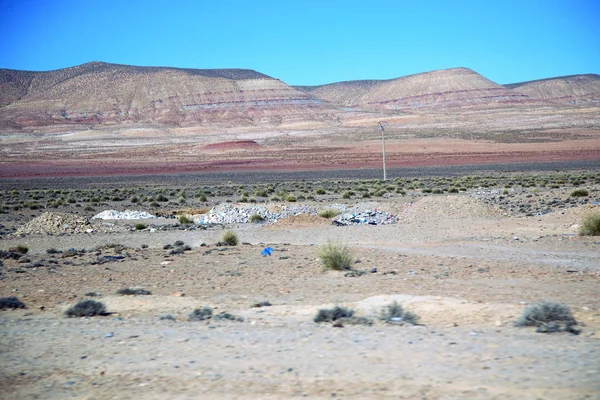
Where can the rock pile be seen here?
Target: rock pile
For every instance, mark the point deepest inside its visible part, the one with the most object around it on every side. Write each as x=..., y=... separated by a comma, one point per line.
x=366, y=217
x=236, y=214
x=50, y=223
x=127, y=214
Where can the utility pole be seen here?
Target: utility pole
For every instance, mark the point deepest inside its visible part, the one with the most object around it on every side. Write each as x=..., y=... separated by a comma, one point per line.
x=382, y=126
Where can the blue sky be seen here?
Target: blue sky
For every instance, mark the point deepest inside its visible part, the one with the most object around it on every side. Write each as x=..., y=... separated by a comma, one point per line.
x=309, y=42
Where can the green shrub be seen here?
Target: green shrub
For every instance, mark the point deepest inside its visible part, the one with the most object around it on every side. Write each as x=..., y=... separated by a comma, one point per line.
x=580, y=193
x=333, y=314
x=394, y=313
x=291, y=198
x=336, y=257
x=329, y=213
x=590, y=225
x=139, y=226
x=201, y=197
x=183, y=219
x=256, y=218
x=230, y=238
x=548, y=317
x=86, y=308
x=320, y=191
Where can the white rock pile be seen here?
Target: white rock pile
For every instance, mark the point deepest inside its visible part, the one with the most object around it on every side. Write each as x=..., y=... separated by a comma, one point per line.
x=240, y=214
x=366, y=217
x=127, y=214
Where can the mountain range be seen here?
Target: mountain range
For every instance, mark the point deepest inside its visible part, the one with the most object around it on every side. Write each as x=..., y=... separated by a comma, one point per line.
x=102, y=94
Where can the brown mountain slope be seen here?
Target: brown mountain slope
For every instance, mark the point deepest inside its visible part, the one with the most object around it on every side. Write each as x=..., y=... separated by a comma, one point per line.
x=450, y=87
x=572, y=89
x=100, y=93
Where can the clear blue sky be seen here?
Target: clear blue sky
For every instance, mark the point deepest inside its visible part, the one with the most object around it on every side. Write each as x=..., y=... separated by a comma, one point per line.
x=309, y=42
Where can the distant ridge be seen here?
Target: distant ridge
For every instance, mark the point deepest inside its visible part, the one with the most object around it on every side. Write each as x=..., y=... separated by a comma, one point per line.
x=570, y=89
x=449, y=87
x=98, y=93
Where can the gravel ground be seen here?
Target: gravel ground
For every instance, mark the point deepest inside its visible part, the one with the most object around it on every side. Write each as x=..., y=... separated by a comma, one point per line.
x=466, y=267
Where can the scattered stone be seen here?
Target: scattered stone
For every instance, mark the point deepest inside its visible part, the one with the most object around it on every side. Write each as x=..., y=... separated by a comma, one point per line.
x=127, y=214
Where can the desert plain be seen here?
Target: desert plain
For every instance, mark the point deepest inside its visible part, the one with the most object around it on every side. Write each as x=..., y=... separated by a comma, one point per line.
x=487, y=188
x=466, y=261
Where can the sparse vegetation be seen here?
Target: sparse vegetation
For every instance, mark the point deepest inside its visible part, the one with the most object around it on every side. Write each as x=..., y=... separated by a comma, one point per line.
x=11, y=302
x=256, y=218
x=548, y=317
x=134, y=292
x=394, y=313
x=225, y=316
x=86, y=308
x=19, y=249
x=201, y=314
x=260, y=304
x=335, y=256
x=329, y=213
x=590, y=225
x=333, y=314
x=580, y=193
x=184, y=220
x=230, y=239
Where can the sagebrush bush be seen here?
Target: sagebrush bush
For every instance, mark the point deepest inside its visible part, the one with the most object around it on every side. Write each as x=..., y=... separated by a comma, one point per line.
x=395, y=313
x=11, y=302
x=256, y=218
x=548, y=316
x=334, y=256
x=183, y=219
x=201, y=314
x=580, y=193
x=86, y=308
x=333, y=314
x=140, y=226
x=329, y=213
x=590, y=225
x=19, y=249
x=230, y=238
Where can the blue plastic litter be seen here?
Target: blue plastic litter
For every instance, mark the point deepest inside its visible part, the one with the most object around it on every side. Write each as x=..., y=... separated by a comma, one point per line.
x=267, y=251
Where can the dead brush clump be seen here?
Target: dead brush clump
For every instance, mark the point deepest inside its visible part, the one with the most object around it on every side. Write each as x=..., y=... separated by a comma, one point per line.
x=548, y=317
x=86, y=308
x=134, y=292
x=333, y=314
x=201, y=314
x=11, y=303
x=395, y=314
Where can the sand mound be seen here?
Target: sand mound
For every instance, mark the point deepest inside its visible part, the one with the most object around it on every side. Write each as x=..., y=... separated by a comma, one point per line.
x=447, y=207
x=50, y=223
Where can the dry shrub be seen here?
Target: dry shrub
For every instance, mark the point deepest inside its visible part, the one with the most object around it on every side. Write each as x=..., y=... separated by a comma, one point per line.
x=336, y=257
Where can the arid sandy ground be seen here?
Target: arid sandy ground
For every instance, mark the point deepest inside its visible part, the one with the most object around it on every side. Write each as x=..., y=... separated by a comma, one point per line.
x=465, y=267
